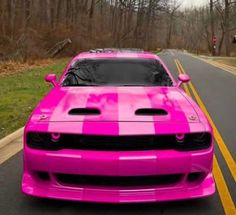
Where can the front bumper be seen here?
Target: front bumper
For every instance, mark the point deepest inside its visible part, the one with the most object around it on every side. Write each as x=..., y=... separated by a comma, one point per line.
x=100, y=163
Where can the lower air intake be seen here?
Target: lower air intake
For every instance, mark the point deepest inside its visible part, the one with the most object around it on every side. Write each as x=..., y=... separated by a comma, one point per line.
x=118, y=181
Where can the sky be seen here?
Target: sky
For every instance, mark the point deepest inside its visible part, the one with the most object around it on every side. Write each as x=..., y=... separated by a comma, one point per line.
x=194, y=3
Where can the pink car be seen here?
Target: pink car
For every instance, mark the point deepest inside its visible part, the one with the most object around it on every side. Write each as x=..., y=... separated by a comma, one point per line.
x=117, y=128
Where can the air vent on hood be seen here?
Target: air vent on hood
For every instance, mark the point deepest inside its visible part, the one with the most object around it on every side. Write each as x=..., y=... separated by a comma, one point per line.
x=84, y=111
x=150, y=112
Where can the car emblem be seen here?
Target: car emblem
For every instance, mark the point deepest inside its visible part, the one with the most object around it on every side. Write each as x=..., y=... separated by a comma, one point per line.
x=192, y=118
x=43, y=116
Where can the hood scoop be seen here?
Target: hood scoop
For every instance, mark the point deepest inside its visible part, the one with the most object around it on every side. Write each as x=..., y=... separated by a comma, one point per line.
x=150, y=112
x=84, y=111
x=117, y=104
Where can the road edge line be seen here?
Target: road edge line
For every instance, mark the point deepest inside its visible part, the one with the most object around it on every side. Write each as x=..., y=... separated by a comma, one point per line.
x=221, y=66
x=210, y=63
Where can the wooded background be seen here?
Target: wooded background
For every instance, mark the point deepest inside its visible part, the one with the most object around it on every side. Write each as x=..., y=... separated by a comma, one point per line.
x=32, y=28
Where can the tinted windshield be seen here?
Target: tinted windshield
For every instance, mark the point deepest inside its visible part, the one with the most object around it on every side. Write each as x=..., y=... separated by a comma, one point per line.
x=117, y=72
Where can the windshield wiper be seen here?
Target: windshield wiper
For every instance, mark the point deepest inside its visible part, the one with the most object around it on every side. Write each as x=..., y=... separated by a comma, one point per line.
x=87, y=84
x=79, y=85
x=84, y=81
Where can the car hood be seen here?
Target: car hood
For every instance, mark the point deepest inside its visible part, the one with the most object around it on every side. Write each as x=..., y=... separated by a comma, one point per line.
x=116, y=104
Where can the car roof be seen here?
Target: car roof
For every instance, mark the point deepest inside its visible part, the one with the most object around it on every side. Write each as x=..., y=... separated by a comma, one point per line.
x=116, y=53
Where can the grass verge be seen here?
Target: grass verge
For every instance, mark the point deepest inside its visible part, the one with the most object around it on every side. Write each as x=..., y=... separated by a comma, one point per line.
x=20, y=93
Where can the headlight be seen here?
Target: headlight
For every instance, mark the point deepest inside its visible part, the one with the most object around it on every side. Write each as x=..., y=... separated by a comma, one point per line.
x=179, y=142
x=195, y=141
x=46, y=141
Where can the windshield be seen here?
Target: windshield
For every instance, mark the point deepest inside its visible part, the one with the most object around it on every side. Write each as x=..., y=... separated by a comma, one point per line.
x=117, y=72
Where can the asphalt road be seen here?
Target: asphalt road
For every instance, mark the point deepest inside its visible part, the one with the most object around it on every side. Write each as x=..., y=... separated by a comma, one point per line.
x=217, y=90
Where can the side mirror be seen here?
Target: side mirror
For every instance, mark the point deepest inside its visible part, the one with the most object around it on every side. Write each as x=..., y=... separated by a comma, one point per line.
x=183, y=78
x=51, y=78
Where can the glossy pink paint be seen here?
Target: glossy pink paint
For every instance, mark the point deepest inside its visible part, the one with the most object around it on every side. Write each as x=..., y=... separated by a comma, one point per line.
x=117, y=106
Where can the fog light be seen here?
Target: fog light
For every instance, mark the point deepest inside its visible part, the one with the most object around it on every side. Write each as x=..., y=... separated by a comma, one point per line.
x=194, y=176
x=43, y=176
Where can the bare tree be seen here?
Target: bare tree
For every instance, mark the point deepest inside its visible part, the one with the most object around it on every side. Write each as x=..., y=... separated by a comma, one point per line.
x=31, y=28
x=173, y=7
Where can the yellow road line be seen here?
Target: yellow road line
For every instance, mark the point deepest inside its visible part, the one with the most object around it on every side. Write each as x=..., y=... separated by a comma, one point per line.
x=223, y=148
x=223, y=190
x=185, y=86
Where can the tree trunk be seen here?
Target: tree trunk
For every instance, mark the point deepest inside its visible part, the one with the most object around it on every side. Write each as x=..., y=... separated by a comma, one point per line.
x=213, y=48
x=26, y=24
x=221, y=38
x=227, y=32
x=169, y=32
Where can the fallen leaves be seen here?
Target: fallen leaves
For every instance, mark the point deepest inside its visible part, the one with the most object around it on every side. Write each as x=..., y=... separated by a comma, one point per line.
x=12, y=67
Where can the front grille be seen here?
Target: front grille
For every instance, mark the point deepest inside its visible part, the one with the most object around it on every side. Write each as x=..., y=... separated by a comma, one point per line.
x=121, y=143
x=118, y=181
x=47, y=141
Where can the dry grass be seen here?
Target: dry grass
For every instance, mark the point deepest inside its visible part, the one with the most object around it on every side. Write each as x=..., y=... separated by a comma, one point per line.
x=13, y=67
